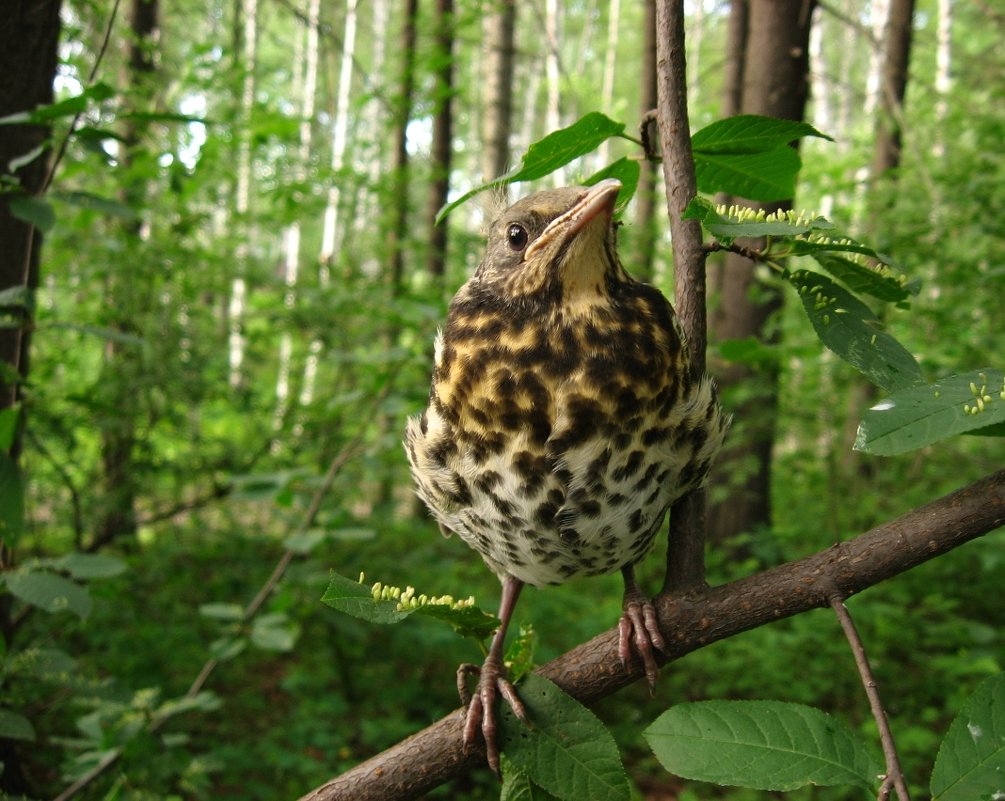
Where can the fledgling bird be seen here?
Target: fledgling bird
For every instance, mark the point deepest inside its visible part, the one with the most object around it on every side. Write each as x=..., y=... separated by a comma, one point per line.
x=563, y=420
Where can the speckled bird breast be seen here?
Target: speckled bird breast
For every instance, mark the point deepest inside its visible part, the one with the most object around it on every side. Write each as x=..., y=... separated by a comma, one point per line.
x=554, y=445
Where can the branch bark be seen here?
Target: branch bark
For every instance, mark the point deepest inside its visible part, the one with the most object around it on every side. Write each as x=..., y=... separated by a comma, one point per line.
x=685, y=566
x=689, y=622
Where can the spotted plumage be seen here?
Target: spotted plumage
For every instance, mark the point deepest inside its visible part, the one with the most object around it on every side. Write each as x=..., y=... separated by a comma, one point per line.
x=562, y=420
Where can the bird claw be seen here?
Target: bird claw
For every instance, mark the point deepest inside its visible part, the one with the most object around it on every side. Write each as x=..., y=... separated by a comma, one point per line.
x=638, y=625
x=481, y=707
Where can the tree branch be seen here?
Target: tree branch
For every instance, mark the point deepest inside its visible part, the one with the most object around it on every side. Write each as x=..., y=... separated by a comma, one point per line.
x=894, y=773
x=685, y=566
x=592, y=670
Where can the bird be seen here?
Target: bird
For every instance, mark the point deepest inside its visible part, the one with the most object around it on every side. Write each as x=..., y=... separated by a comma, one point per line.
x=563, y=421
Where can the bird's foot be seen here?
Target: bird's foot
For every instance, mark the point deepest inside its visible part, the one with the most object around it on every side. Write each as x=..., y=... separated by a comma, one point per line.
x=639, y=627
x=481, y=707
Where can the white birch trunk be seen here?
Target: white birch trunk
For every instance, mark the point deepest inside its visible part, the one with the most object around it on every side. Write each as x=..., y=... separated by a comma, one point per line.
x=307, y=70
x=242, y=197
x=943, y=79
x=554, y=76
x=340, y=136
x=610, y=64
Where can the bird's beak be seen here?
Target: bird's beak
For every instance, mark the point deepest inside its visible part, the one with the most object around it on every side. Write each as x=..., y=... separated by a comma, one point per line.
x=595, y=200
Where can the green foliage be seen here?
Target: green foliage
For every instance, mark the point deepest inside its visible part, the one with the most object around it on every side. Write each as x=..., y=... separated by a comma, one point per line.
x=386, y=604
x=766, y=745
x=567, y=752
x=971, y=760
x=920, y=415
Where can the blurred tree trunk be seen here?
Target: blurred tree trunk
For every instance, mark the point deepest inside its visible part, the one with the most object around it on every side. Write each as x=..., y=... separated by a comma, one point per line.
x=775, y=83
x=29, y=32
x=441, y=150
x=246, y=29
x=553, y=73
x=123, y=363
x=610, y=67
x=398, y=200
x=305, y=86
x=497, y=113
x=29, y=36
x=330, y=223
x=644, y=230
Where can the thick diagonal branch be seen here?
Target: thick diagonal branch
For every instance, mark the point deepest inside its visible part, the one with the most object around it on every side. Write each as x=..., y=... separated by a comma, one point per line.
x=592, y=670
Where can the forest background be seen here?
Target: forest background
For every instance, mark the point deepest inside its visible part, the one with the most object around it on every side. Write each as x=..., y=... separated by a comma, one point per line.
x=235, y=281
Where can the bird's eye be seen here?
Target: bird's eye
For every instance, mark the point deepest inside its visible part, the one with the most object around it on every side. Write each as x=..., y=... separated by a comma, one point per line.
x=517, y=237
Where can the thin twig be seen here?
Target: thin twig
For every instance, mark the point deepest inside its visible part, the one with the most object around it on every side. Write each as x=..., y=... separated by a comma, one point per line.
x=894, y=773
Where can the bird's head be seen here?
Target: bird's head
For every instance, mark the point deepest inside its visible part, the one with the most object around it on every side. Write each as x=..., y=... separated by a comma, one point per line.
x=555, y=246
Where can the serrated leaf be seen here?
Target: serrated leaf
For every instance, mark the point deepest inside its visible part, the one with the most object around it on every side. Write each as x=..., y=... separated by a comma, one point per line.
x=349, y=596
x=863, y=279
x=849, y=328
x=517, y=786
x=567, y=751
x=725, y=226
x=15, y=726
x=353, y=598
x=764, y=745
x=34, y=211
x=548, y=154
x=49, y=592
x=917, y=416
x=766, y=176
x=751, y=133
x=89, y=565
x=625, y=170
x=220, y=611
x=971, y=761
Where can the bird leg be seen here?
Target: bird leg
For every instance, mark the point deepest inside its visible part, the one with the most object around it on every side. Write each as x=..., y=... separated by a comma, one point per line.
x=639, y=626
x=492, y=680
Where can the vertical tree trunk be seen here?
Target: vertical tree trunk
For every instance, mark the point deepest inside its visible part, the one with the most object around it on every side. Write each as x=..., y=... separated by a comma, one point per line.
x=497, y=112
x=308, y=71
x=943, y=80
x=775, y=83
x=29, y=33
x=553, y=72
x=123, y=366
x=29, y=36
x=440, y=155
x=645, y=227
x=610, y=65
x=242, y=193
x=398, y=225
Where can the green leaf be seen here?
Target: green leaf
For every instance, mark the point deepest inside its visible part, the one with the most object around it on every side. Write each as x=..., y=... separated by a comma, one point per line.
x=8, y=425
x=274, y=632
x=101, y=332
x=971, y=760
x=849, y=328
x=764, y=745
x=730, y=224
x=548, y=154
x=49, y=592
x=917, y=416
x=353, y=598
x=227, y=648
x=47, y=664
x=567, y=751
x=89, y=565
x=24, y=159
x=219, y=611
x=749, y=350
x=625, y=170
x=67, y=107
x=517, y=786
x=305, y=541
x=749, y=156
x=751, y=133
x=11, y=500
x=862, y=279
x=766, y=176
x=15, y=726
x=104, y=205
x=34, y=211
